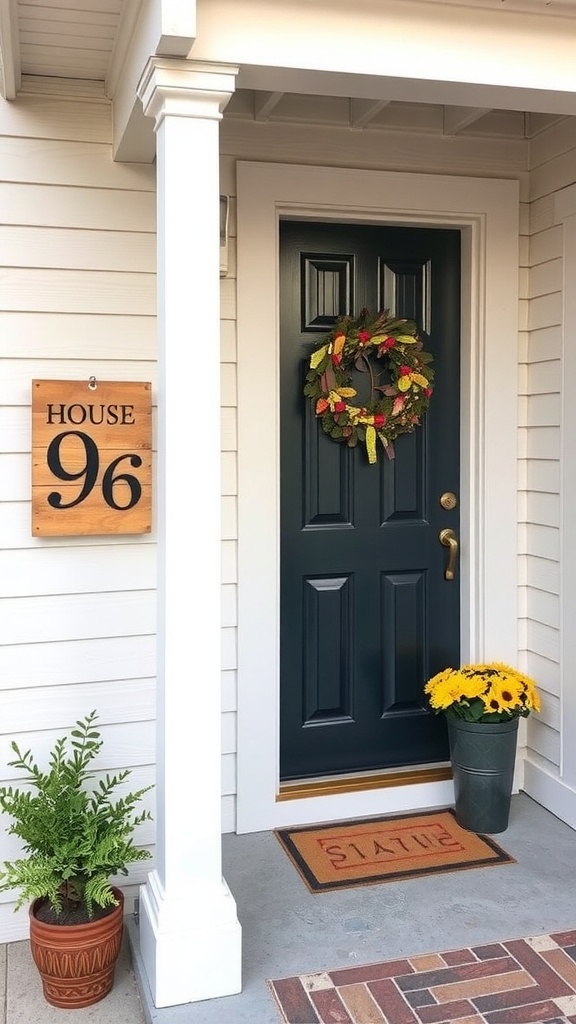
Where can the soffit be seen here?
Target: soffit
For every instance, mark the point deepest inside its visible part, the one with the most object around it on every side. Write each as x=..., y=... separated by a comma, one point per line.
x=49, y=45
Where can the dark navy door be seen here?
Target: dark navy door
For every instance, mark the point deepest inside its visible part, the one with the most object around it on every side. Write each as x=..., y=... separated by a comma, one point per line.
x=367, y=613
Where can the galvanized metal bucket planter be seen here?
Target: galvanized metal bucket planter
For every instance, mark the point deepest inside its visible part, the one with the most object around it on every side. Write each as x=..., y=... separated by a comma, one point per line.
x=483, y=755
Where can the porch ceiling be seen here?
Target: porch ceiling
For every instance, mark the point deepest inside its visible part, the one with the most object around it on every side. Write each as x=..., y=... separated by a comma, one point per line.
x=43, y=43
x=382, y=115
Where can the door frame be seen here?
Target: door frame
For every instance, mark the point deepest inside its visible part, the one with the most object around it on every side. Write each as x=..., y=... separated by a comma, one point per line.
x=487, y=213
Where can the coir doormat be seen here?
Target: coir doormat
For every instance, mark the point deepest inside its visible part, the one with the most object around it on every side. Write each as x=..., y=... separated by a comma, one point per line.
x=388, y=849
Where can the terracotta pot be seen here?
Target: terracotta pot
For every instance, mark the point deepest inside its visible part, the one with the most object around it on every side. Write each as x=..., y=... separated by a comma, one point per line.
x=77, y=962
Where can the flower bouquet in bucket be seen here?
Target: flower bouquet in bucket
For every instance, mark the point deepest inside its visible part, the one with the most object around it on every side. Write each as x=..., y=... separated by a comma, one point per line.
x=483, y=705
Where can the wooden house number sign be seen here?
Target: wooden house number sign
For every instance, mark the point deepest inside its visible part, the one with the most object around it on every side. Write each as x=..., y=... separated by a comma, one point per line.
x=91, y=457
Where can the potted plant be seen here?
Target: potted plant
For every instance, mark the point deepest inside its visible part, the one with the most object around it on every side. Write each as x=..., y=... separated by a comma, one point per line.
x=483, y=705
x=77, y=834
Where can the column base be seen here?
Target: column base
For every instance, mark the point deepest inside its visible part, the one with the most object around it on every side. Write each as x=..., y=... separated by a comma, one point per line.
x=191, y=947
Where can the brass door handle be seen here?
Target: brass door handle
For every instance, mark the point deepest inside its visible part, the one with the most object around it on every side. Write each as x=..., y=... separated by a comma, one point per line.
x=449, y=540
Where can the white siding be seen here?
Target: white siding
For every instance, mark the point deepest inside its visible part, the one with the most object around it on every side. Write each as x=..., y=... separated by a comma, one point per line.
x=77, y=297
x=552, y=155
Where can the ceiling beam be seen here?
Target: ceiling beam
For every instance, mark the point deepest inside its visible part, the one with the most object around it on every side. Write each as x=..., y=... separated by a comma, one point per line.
x=264, y=103
x=10, y=68
x=177, y=28
x=363, y=111
x=458, y=118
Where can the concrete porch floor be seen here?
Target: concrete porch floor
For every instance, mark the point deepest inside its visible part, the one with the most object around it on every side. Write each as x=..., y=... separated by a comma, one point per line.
x=287, y=930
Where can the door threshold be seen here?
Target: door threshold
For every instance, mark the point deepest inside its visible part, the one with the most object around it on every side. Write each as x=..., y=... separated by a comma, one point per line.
x=355, y=782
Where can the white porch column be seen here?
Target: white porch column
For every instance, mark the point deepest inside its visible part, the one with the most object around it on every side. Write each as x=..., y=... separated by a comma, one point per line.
x=190, y=938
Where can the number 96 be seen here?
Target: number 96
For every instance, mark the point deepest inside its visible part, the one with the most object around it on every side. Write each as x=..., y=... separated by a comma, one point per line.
x=88, y=473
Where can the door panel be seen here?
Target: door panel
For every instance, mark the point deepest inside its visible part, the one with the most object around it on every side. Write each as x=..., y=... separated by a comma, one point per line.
x=366, y=613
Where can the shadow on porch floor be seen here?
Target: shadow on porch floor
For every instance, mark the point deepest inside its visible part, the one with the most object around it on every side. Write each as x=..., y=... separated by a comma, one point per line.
x=287, y=930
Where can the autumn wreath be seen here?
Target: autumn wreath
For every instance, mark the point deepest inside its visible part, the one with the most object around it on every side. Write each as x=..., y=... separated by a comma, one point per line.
x=400, y=388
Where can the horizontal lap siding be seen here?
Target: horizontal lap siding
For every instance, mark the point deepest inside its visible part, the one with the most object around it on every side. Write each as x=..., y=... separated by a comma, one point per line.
x=77, y=297
x=552, y=162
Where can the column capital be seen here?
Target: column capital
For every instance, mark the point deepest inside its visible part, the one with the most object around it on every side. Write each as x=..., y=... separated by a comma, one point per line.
x=185, y=88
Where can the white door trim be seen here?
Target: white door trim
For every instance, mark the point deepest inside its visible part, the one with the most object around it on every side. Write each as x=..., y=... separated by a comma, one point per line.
x=487, y=212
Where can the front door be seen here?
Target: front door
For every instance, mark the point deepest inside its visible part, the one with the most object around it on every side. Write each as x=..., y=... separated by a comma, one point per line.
x=367, y=612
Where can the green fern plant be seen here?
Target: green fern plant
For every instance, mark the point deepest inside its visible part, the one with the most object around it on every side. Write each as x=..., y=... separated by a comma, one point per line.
x=76, y=832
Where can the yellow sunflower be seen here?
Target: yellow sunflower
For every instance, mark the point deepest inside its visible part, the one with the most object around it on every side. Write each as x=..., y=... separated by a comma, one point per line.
x=480, y=692
x=528, y=696
x=451, y=686
x=504, y=694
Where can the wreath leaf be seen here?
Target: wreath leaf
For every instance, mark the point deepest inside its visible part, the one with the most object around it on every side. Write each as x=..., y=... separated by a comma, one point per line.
x=317, y=357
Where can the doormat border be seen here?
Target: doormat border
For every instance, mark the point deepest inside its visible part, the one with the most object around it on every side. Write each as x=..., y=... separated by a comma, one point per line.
x=284, y=836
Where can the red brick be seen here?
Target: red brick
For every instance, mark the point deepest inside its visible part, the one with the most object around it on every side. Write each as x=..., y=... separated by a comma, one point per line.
x=564, y=938
x=294, y=1001
x=329, y=1006
x=446, y=1011
x=460, y=956
x=391, y=1002
x=372, y=972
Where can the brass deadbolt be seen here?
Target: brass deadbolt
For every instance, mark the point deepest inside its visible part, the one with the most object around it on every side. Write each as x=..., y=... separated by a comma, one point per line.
x=448, y=500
